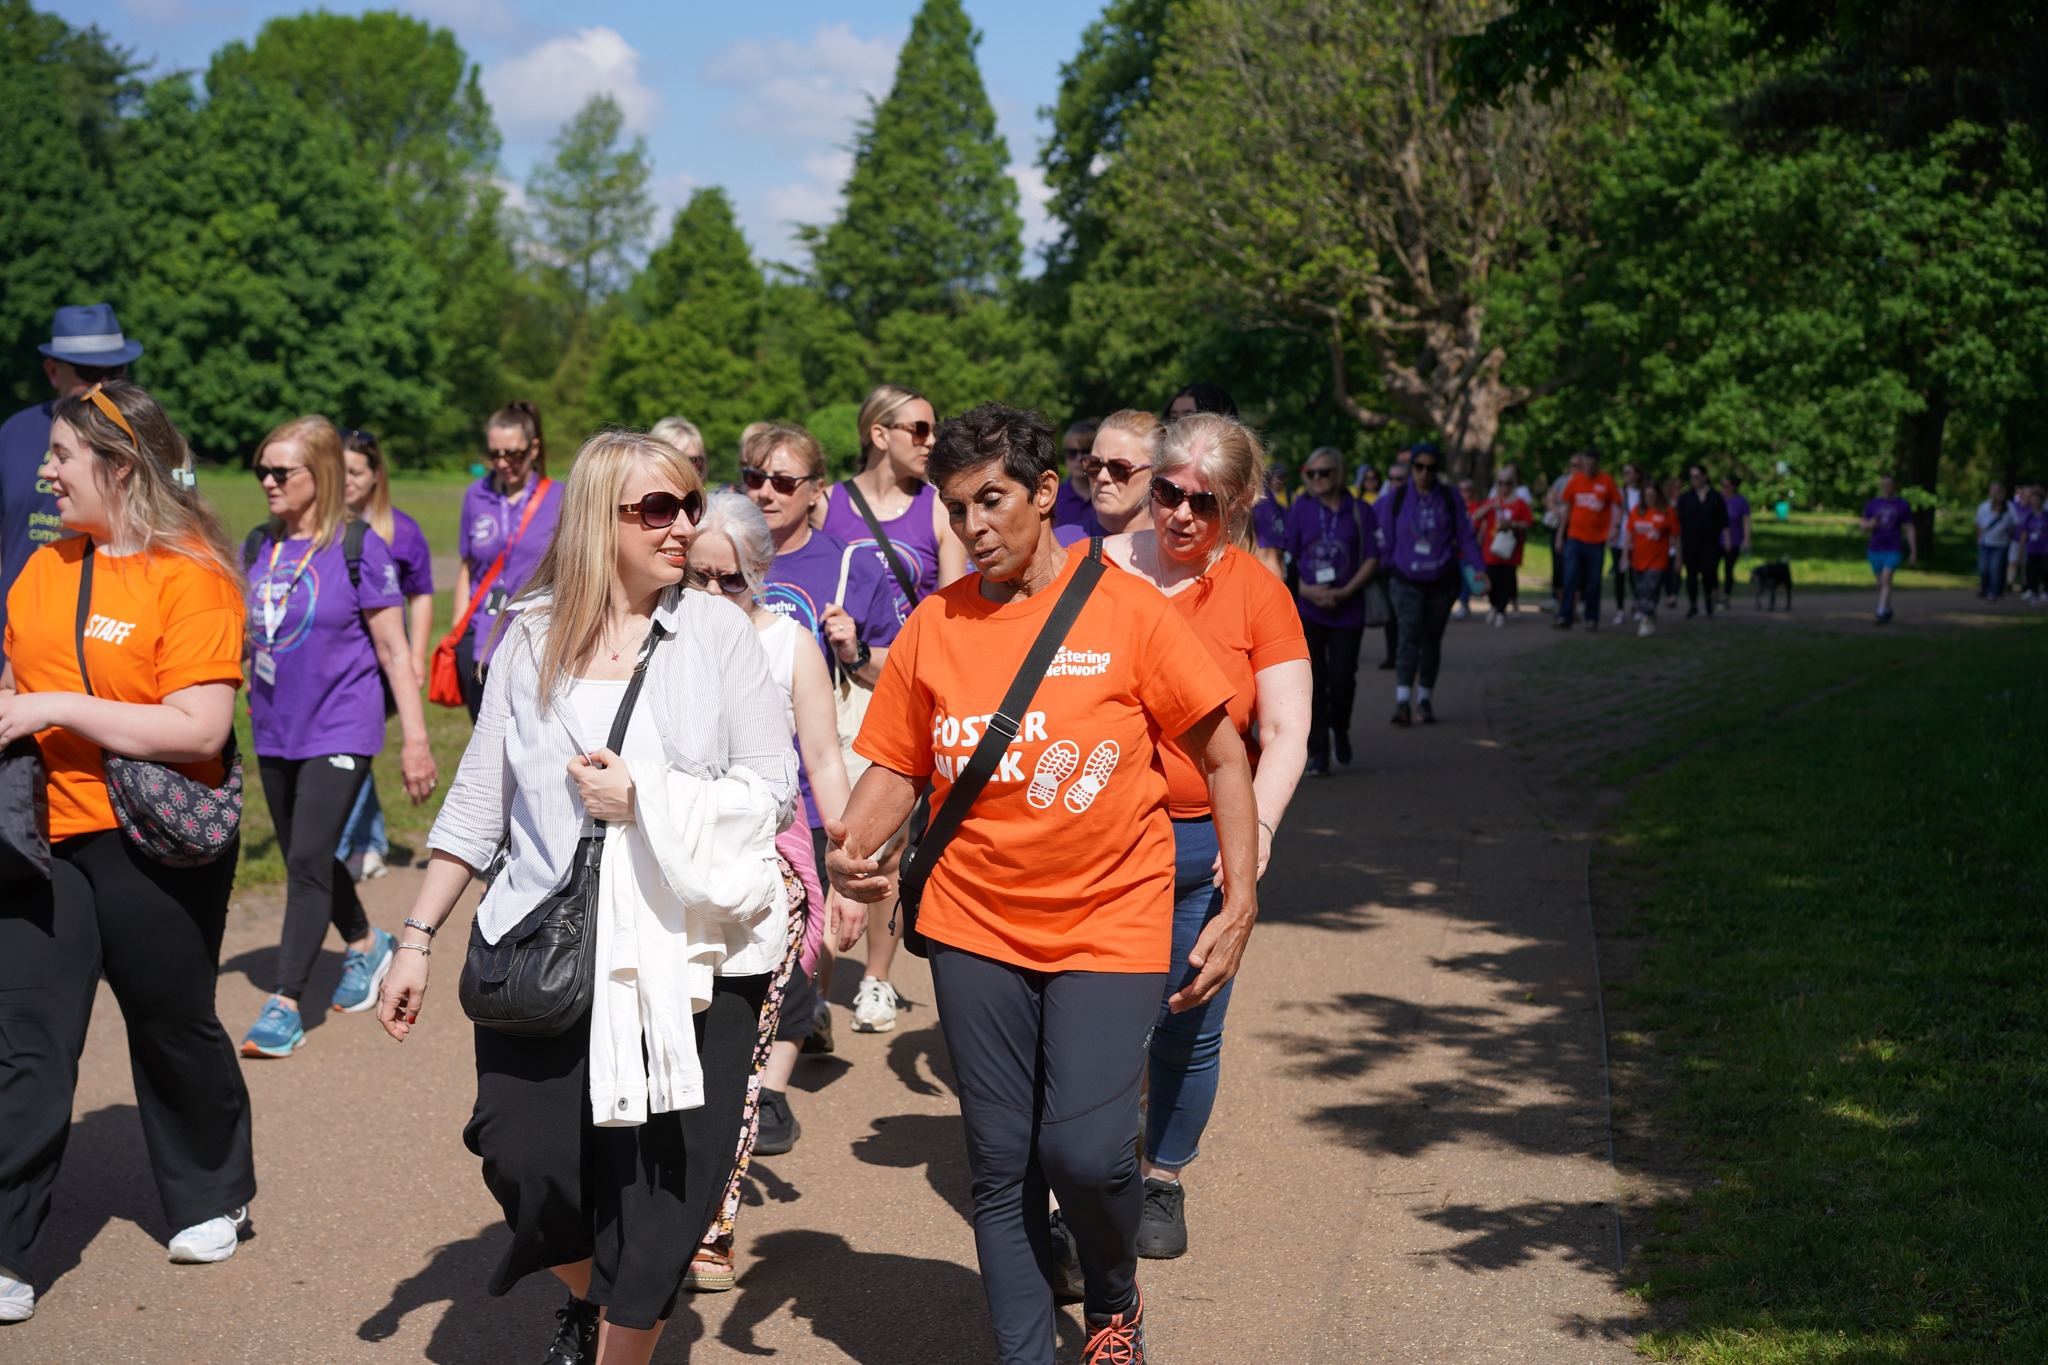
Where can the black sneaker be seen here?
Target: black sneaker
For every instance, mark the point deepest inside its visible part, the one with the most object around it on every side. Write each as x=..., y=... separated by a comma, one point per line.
x=779, y=1128
x=1068, y=1286
x=1403, y=716
x=1384, y=665
x=1162, y=1223
x=1341, y=746
x=1425, y=711
x=575, y=1335
x=819, y=1039
x=1318, y=766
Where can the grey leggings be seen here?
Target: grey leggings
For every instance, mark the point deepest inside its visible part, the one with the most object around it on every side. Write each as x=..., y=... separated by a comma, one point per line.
x=1048, y=1064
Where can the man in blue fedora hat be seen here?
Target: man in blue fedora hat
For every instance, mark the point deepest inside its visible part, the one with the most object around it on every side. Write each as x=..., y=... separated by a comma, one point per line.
x=85, y=347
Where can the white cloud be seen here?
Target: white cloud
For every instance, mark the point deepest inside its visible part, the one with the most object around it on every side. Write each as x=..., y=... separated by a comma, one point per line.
x=1032, y=198
x=535, y=93
x=803, y=93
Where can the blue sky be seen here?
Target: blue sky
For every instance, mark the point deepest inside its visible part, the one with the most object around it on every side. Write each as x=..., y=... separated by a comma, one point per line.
x=760, y=98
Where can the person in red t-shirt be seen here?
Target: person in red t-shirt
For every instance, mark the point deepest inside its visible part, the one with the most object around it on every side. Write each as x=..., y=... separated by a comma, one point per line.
x=1501, y=524
x=1592, y=506
x=1647, y=537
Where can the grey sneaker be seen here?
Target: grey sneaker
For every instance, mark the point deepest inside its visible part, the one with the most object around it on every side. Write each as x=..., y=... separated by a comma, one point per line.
x=1162, y=1223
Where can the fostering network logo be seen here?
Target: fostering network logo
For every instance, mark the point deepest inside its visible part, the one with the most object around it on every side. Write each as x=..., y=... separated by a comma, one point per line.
x=1078, y=663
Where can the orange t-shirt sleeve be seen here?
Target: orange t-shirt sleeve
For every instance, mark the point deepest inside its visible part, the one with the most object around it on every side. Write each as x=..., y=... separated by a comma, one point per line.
x=1176, y=681
x=1277, y=637
x=896, y=732
x=205, y=623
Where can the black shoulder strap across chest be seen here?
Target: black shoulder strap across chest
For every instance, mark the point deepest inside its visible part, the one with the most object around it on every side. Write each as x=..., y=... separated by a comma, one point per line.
x=351, y=548
x=888, y=547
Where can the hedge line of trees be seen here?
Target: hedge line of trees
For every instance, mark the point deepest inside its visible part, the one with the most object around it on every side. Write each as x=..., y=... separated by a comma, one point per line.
x=1685, y=232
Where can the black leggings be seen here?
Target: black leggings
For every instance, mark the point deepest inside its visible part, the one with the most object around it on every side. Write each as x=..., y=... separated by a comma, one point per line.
x=2037, y=573
x=1333, y=681
x=310, y=800
x=1048, y=1064
x=1618, y=569
x=1728, y=558
x=1500, y=587
x=155, y=932
x=1700, y=569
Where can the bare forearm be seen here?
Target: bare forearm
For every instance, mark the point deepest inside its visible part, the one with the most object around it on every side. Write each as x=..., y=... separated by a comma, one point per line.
x=446, y=878
x=158, y=733
x=880, y=803
x=420, y=632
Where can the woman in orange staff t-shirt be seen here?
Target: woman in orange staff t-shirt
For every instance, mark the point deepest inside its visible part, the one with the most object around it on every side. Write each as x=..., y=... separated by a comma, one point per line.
x=1648, y=533
x=162, y=642
x=1050, y=913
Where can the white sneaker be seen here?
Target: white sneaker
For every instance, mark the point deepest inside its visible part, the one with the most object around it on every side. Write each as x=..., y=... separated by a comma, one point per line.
x=1619, y=617
x=210, y=1241
x=17, y=1300
x=1461, y=613
x=874, y=1006
x=1648, y=627
x=373, y=866
x=1500, y=618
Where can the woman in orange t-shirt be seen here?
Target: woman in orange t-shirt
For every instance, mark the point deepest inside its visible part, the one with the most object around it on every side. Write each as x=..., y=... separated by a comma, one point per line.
x=1050, y=913
x=162, y=642
x=1647, y=535
x=1204, y=485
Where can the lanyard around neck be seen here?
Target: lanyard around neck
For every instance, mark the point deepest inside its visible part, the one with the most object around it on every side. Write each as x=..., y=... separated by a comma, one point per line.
x=275, y=602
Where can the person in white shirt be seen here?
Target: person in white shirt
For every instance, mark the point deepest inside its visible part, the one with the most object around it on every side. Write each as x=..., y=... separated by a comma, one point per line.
x=614, y=1207
x=1995, y=522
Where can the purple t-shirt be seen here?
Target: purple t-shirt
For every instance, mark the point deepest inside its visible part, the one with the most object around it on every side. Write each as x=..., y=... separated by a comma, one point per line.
x=1328, y=546
x=2030, y=528
x=415, y=561
x=1431, y=532
x=1892, y=516
x=319, y=693
x=1073, y=515
x=916, y=544
x=490, y=521
x=1269, y=524
x=1738, y=512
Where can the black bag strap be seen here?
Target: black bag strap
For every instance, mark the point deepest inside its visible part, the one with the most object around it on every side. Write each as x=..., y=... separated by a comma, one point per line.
x=888, y=547
x=617, y=739
x=84, y=613
x=351, y=548
x=1005, y=723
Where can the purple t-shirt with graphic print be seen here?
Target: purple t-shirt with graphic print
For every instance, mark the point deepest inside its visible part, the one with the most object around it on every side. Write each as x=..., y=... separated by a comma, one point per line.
x=911, y=534
x=490, y=521
x=1269, y=524
x=318, y=694
x=1428, y=536
x=1328, y=546
x=1891, y=515
x=415, y=561
x=2031, y=529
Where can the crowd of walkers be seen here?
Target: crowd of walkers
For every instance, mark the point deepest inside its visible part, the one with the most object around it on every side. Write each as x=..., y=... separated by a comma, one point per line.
x=1031, y=704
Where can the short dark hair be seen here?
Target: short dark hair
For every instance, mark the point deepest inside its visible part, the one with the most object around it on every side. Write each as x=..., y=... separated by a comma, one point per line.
x=1209, y=397
x=1018, y=439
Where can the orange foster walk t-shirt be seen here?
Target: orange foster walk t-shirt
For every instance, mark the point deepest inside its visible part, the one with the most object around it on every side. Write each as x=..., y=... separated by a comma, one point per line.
x=1065, y=862
x=1649, y=538
x=1590, y=507
x=159, y=623
x=1246, y=619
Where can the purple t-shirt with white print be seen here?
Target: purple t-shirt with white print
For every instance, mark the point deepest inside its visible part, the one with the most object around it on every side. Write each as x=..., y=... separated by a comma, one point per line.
x=910, y=534
x=490, y=521
x=409, y=551
x=313, y=685
x=1891, y=515
x=2031, y=529
x=1424, y=535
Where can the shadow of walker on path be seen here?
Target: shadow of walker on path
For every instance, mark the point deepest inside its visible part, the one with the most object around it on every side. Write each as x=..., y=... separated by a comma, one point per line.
x=105, y=1176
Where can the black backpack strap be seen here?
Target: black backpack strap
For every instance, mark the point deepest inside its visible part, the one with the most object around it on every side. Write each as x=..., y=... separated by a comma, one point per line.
x=896, y=565
x=84, y=613
x=252, y=543
x=352, y=550
x=1003, y=726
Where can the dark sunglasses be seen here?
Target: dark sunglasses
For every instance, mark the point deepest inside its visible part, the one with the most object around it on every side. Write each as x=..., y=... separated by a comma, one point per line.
x=920, y=432
x=1120, y=470
x=1170, y=495
x=1423, y=467
x=784, y=484
x=1319, y=473
x=657, y=510
x=731, y=584
x=281, y=473
x=508, y=456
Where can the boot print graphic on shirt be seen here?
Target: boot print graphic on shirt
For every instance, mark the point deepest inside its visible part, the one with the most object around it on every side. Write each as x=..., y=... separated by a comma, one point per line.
x=1055, y=765
x=1093, y=778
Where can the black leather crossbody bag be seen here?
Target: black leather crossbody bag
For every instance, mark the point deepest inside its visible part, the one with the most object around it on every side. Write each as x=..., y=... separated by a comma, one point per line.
x=537, y=980
x=926, y=850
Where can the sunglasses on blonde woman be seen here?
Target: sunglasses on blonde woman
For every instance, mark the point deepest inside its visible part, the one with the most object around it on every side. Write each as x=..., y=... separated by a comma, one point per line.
x=1170, y=495
x=1120, y=470
x=658, y=510
x=920, y=432
x=784, y=484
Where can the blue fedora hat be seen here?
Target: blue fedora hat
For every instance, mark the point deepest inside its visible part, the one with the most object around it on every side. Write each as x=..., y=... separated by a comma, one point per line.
x=90, y=334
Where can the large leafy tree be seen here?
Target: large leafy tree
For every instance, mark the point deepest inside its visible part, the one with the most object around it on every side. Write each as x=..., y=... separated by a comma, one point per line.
x=1295, y=166
x=590, y=208
x=272, y=276
x=930, y=223
x=64, y=91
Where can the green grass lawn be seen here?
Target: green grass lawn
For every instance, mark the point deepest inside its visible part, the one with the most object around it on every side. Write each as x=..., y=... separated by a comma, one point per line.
x=1841, y=877
x=435, y=501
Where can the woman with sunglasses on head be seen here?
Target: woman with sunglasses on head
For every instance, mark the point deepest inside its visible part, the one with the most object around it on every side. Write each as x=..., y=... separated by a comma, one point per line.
x=368, y=494
x=327, y=637
x=853, y=606
x=1332, y=539
x=895, y=442
x=615, y=1208
x=508, y=518
x=1427, y=542
x=161, y=651
x=729, y=559
x=1210, y=475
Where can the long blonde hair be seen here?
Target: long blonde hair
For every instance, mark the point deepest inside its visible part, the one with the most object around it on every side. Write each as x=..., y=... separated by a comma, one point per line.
x=571, y=590
x=880, y=406
x=322, y=444
x=1230, y=457
x=378, y=510
x=157, y=505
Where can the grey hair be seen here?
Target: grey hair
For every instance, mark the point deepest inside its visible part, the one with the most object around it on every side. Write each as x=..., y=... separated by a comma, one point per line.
x=679, y=432
x=1334, y=454
x=734, y=516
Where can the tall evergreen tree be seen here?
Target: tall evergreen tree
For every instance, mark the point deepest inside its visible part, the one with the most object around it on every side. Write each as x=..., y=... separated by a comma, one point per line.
x=590, y=206
x=930, y=222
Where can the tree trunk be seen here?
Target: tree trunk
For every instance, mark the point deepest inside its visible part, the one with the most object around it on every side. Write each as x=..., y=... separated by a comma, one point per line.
x=1921, y=448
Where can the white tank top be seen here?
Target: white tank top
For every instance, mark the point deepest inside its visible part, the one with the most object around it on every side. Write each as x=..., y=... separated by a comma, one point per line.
x=780, y=639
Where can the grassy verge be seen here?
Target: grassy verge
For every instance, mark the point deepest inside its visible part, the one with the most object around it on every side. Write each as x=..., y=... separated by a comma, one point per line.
x=1840, y=994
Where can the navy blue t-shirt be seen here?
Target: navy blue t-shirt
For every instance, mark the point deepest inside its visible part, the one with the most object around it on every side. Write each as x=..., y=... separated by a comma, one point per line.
x=28, y=510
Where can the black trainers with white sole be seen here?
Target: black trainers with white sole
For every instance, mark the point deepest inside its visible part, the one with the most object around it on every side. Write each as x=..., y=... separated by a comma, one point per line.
x=1163, y=1223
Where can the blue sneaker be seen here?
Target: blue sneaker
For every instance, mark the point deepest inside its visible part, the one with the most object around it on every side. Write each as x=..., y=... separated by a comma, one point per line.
x=363, y=973
x=276, y=1032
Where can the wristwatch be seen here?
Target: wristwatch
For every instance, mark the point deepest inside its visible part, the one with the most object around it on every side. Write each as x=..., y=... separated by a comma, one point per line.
x=861, y=657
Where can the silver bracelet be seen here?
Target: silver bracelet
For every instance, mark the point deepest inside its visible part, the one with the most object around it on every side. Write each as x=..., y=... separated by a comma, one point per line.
x=1269, y=829
x=427, y=929
x=422, y=949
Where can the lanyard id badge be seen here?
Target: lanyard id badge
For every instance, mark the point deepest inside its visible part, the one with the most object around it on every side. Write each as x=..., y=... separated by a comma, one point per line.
x=275, y=601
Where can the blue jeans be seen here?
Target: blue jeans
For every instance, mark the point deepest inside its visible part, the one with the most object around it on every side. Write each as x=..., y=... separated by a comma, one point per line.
x=1187, y=1049
x=1991, y=561
x=1583, y=561
x=364, y=832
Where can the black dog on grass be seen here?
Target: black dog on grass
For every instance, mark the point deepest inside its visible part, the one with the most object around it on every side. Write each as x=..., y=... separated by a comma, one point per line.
x=1769, y=578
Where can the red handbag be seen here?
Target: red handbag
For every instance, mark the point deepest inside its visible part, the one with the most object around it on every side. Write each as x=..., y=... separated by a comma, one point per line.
x=444, y=679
